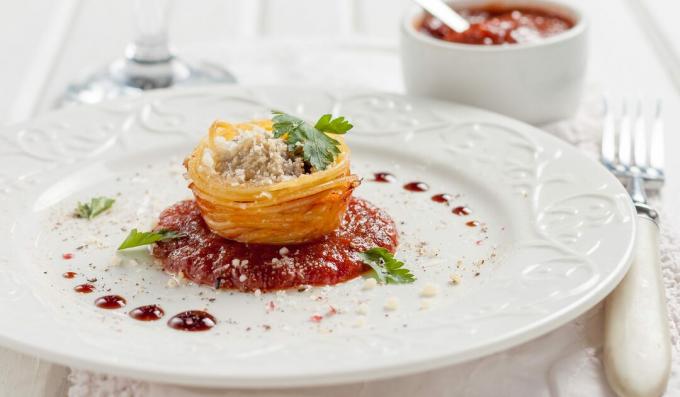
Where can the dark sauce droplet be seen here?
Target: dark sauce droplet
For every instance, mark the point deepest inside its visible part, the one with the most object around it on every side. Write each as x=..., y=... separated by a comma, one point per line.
x=416, y=186
x=110, y=302
x=84, y=288
x=147, y=313
x=192, y=320
x=384, y=177
x=442, y=198
x=461, y=211
x=472, y=223
x=69, y=274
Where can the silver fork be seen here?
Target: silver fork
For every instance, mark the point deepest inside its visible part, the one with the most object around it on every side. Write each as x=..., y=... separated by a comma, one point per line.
x=637, y=352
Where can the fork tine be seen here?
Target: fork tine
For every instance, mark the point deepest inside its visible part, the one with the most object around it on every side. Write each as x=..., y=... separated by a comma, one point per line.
x=656, y=157
x=608, y=148
x=639, y=138
x=625, y=137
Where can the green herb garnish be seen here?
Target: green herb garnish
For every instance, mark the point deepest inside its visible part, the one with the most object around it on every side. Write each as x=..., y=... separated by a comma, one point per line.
x=386, y=268
x=136, y=239
x=311, y=142
x=95, y=207
x=332, y=125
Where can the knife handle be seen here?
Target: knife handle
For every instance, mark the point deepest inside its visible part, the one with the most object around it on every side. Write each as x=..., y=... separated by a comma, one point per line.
x=637, y=350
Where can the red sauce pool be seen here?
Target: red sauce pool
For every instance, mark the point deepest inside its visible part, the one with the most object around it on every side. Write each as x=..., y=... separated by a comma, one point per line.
x=384, y=177
x=496, y=24
x=461, y=211
x=69, y=274
x=206, y=258
x=416, y=186
x=442, y=198
x=110, y=302
x=147, y=313
x=192, y=320
x=84, y=288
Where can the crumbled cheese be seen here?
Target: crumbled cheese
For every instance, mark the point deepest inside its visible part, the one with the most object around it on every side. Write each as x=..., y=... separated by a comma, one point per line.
x=392, y=303
x=429, y=290
x=258, y=292
x=254, y=157
x=362, y=308
x=207, y=159
x=242, y=278
x=425, y=304
x=455, y=279
x=220, y=269
x=115, y=261
x=265, y=194
x=236, y=262
x=283, y=251
x=172, y=283
x=369, y=284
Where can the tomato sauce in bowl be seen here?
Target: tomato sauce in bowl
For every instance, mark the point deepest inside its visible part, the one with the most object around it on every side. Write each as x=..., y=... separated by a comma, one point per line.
x=497, y=25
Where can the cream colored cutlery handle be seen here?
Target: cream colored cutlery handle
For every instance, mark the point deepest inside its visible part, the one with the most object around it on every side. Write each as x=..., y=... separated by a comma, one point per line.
x=637, y=351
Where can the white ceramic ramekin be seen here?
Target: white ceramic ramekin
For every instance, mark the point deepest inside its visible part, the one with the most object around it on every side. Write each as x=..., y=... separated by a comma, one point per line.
x=535, y=82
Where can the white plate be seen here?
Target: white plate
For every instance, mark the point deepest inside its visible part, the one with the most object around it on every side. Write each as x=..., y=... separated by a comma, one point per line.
x=557, y=238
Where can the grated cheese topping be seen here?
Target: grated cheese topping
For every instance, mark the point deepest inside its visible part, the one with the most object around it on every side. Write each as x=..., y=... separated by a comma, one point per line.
x=253, y=157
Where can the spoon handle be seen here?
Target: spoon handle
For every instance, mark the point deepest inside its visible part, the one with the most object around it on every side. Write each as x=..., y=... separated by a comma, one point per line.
x=445, y=14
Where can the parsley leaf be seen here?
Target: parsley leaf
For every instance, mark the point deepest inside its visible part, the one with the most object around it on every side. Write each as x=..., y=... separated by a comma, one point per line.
x=320, y=150
x=313, y=143
x=95, y=207
x=136, y=238
x=387, y=269
x=331, y=125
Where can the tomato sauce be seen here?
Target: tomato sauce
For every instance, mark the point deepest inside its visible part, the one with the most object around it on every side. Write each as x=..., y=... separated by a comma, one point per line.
x=496, y=24
x=192, y=320
x=147, y=313
x=207, y=258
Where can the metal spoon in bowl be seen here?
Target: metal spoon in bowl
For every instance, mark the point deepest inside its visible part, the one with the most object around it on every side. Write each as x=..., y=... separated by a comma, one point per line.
x=445, y=14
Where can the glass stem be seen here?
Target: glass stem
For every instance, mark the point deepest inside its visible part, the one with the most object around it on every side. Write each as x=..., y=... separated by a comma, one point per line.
x=148, y=62
x=150, y=43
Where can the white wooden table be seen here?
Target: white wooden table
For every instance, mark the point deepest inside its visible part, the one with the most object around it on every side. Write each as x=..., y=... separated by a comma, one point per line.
x=634, y=51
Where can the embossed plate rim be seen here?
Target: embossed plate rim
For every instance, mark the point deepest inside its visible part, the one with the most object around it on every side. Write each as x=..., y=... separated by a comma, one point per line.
x=405, y=366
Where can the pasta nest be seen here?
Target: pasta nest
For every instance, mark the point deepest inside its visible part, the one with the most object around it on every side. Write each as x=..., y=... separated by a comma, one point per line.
x=293, y=211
